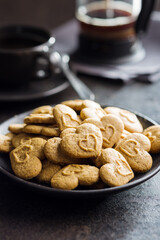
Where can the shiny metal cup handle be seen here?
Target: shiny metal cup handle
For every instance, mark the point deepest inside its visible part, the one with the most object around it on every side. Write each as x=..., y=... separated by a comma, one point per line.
x=62, y=61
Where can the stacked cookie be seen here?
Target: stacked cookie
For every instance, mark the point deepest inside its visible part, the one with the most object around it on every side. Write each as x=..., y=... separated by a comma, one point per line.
x=79, y=143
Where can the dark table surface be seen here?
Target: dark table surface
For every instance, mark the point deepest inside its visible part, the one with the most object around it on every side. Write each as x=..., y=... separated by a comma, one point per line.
x=133, y=214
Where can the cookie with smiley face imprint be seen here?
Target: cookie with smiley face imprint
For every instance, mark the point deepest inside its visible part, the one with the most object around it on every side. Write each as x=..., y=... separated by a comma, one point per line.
x=83, y=142
x=115, y=170
x=111, y=128
x=153, y=133
x=135, y=148
x=65, y=117
x=130, y=120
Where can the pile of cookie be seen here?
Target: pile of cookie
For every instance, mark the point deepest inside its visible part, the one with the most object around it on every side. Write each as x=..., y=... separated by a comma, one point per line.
x=78, y=143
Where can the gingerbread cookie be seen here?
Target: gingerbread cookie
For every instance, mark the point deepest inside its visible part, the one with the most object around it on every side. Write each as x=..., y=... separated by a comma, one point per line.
x=83, y=142
x=45, y=130
x=49, y=169
x=115, y=170
x=74, y=104
x=73, y=175
x=5, y=143
x=20, y=139
x=153, y=133
x=130, y=120
x=135, y=148
x=46, y=109
x=111, y=128
x=54, y=153
x=65, y=117
x=39, y=119
x=16, y=127
x=25, y=159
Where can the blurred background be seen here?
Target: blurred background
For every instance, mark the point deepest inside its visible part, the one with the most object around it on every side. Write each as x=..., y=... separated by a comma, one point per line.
x=36, y=12
x=45, y=13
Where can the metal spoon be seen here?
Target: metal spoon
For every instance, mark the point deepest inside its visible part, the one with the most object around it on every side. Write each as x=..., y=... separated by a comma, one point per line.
x=62, y=62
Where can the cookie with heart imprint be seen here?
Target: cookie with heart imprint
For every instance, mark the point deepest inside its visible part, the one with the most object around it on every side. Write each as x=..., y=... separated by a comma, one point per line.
x=83, y=142
x=135, y=148
x=73, y=175
x=79, y=104
x=153, y=133
x=54, y=153
x=26, y=158
x=130, y=120
x=111, y=128
x=65, y=117
x=115, y=170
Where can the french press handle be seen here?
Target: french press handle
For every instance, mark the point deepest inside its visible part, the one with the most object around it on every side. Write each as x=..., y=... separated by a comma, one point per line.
x=143, y=19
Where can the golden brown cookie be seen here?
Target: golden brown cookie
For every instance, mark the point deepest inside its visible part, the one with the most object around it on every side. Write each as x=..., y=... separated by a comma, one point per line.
x=48, y=130
x=25, y=159
x=54, y=153
x=111, y=128
x=84, y=142
x=135, y=148
x=130, y=120
x=153, y=133
x=21, y=138
x=125, y=133
x=96, y=113
x=5, y=143
x=46, y=109
x=75, y=104
x=90, y=104
x=73, y=175
x=48, y=170
x=65, y=117
x=115, y=170
x=16, y=127
x=39, y=119
x=10, y=134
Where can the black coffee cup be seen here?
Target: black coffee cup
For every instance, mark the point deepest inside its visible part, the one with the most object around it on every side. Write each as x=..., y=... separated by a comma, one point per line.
x=22, y=48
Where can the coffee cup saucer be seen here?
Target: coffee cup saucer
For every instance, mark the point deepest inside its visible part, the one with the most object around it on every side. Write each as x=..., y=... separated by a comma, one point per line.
x=34, y=89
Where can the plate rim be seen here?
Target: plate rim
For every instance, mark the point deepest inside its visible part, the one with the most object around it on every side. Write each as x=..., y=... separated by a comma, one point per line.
x=86, y=192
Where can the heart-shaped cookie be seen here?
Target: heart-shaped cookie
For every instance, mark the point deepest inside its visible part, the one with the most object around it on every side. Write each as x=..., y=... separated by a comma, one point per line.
x=135, y=148
x=25, y=159
x=115, y=170
x=96, y=113
x=65, y=117
x=111, y=127
x=84, y=142
x=153, y=133
x=54, y=153
x=73, y=175
x=130, y=120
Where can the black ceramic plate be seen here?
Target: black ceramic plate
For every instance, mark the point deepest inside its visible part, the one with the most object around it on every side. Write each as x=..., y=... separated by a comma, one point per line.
x=79, y=193
x=35, y=89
